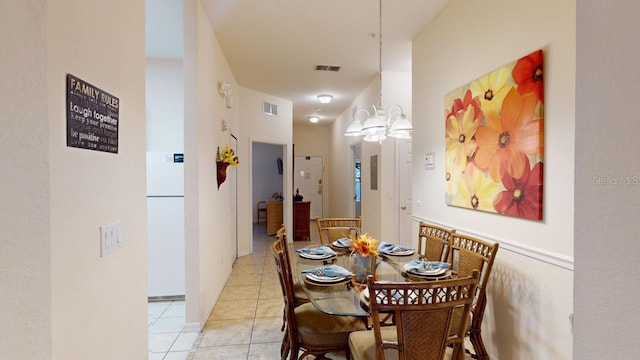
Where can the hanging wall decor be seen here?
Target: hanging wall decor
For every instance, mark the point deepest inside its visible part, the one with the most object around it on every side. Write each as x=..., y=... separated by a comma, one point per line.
x=223, y=160
x=494, y=131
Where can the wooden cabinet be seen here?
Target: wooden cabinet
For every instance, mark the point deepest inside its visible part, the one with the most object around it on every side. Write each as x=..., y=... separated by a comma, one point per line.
x=274, y=216
x=301, y=214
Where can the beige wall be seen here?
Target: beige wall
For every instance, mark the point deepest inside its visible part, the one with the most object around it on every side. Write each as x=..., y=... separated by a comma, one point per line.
x=209, y=235
x=606, y=208
x=25, y=246
x=94, y=298
x=530, y=297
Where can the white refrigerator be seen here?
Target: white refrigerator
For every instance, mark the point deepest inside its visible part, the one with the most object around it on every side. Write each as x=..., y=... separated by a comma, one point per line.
x=165, y=225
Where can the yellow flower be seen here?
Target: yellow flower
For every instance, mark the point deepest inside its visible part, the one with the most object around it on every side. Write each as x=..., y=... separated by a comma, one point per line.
x=459, y=131
x=227, y=156
x=364, y=245
x=492, y=88
x=476, y=190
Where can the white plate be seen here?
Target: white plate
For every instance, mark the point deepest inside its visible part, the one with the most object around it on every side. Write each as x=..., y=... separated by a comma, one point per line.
x=338, y=244
x=406, y=252
x=434, y=272
x=325, y=279
x=316, y=256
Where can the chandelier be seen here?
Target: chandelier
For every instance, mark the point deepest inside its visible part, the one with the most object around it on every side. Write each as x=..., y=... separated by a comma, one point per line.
x=380, y=124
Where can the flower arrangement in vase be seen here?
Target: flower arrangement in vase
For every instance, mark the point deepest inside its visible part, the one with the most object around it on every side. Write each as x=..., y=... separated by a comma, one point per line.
x=364, y=250
x=223, y=160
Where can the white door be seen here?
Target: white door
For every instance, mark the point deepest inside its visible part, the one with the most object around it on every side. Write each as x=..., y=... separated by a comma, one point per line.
x=308, y=181
x=403, y=176
x=233, y=182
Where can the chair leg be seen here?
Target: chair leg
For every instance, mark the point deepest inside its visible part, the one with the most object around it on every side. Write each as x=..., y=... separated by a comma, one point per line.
x=285, y=347
x=478, y=345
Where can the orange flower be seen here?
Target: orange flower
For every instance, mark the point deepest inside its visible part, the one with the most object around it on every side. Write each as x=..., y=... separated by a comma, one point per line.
x=364, y=245
x=506, y=139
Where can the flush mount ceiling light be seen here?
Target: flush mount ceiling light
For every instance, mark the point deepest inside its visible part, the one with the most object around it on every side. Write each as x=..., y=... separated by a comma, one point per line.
x=325, y=98
x=313, y=119
x=380, y=124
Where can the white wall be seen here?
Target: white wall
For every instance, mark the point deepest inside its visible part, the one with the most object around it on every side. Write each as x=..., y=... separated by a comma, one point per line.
x=25, y=244
x=165, y=104
x=340, y=179
x=263, y=128
x=94, y=298
x=208, y=218
x=530, y=296
x=378, y=206
x=606, y=211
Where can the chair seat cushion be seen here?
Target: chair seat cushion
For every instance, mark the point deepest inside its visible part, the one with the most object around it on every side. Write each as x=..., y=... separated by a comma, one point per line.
x=300, y=295
x=318, y=328
x=363, y=343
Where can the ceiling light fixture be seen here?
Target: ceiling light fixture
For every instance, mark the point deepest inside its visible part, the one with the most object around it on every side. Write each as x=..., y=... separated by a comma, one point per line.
x=324, y=98
x=379, y=124
x=313, y=119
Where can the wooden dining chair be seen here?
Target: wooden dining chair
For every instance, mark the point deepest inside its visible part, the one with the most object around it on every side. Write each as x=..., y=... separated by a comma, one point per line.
x=469, y=254
x=262, y=210
x=433, y=241
x=299, y=295
x=308, y=329
x=332, y=229
x=424, y=313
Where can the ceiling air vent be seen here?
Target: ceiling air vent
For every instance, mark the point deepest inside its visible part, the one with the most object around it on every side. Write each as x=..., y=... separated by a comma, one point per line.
x=327, y=68
x=269, y=108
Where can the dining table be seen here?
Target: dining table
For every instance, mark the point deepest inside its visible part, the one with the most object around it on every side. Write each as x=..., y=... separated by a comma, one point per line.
x=349, y=296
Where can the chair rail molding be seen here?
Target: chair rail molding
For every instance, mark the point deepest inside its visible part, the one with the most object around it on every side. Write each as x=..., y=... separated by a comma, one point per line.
x=549, y=257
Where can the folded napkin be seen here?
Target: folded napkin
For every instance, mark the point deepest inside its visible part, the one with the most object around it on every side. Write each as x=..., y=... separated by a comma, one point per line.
x=320, y=250
x=343, y=242
x=422, y=266
x=329, y=270
x=390, y=248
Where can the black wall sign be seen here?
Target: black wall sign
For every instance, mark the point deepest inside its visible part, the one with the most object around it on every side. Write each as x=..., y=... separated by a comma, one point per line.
x=92, y=117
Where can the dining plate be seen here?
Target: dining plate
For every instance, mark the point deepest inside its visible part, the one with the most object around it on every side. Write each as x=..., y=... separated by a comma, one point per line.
x=316, y=256
x=325, y=280
x=340, y=244
x=430, y=272
x=405, y=252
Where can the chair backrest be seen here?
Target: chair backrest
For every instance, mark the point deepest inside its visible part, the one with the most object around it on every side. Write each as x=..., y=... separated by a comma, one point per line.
x=468, y=254
x=424, y=313
x=332, y=229
x=283, y=266
x=282, y=235
x=433, y=241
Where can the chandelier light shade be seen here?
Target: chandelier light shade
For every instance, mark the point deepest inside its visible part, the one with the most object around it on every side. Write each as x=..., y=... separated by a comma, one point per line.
x=379, y=124
x=325, y=98
x=313, y=119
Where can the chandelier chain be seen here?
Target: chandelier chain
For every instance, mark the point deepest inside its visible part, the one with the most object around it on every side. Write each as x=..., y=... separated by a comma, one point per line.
x=380, y=53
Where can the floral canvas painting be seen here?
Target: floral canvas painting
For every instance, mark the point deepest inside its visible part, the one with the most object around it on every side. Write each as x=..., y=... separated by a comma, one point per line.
x=495, y=140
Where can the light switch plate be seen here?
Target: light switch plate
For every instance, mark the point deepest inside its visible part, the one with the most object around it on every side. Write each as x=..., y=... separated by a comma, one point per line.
x=430, y=161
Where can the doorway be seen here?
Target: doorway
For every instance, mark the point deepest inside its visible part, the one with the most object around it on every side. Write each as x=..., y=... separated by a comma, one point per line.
x=267, y=183
x=403, y=175
x=233, y=182
x=357, y=179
